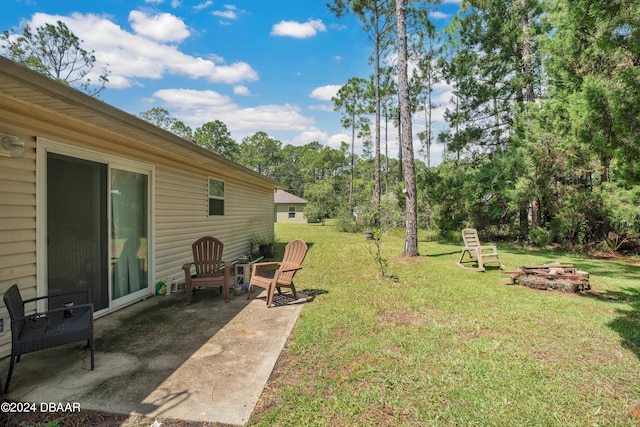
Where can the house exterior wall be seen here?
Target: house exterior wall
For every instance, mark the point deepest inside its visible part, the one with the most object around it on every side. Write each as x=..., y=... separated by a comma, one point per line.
x=282, y=213
x=179, y=212
x=17, y=232
x=182, y=217
x=179, y=187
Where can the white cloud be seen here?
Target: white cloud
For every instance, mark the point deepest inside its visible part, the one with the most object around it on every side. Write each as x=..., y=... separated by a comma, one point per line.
x=325, y=93
x=130, y=56
x=442, y=85
x=118, y=82
x=241, y=90
x=204, y=5
x=437, y=116
x=299, y=30
x=182, y=98
x=333, y=141
x=228, y=13
x=443, y=98
x=310, y=135
x=196, y=107
x=322, y=107
x=163, y=27
x=273, y=117
x=439, y=15
x=336, y=140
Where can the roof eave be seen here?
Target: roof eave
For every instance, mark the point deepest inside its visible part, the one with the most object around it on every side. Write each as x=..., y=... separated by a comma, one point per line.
x=72, y=97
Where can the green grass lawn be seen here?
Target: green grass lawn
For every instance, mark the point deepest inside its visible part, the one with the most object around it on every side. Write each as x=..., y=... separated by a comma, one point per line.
x=445, y=346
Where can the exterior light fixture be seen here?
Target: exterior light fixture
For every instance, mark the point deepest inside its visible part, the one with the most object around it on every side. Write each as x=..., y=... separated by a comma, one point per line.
x=12, y=147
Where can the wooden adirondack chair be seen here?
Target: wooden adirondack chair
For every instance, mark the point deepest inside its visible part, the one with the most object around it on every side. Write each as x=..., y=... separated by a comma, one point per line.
x=477, y=253
x=263, y=274
x=210, y=270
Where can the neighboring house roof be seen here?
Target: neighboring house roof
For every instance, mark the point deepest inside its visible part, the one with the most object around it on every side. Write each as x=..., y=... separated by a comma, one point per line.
x=282, y=197
x=55, y=103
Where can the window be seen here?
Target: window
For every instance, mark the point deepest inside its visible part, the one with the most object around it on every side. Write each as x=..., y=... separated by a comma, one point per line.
x=292, y=212
x=216, y=197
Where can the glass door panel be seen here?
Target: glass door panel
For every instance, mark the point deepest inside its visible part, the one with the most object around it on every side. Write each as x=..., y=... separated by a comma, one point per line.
x=77, y=227
x=129, y=234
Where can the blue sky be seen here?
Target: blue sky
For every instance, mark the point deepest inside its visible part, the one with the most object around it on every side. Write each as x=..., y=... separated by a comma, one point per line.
x=256, y=65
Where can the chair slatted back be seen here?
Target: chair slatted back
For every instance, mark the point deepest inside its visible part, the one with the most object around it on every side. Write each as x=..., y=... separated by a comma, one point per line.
x=207, y=256
x=470, y=238
x=294, y=254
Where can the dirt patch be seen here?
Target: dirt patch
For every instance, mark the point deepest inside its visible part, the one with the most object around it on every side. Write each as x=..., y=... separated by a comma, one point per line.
x=402, y=317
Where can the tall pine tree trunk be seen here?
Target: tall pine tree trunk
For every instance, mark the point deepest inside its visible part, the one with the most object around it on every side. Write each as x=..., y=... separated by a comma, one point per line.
x=353, y=156
x=529, y=96
x=429, y=121
x=378, y=178
x=400, y=162
x=406, y=142
x=386, y=153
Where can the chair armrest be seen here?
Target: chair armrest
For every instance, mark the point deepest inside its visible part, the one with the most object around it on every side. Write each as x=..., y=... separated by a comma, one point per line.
x=291, y=268
x=42, y=314
x=266, y=264
x=33, y=316
x=187, y=272
x=74, y=307
x=62, y=294
x=258, y=265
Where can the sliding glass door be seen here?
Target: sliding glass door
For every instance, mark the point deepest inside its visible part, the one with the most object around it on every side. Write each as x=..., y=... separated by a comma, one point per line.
x=98, y=227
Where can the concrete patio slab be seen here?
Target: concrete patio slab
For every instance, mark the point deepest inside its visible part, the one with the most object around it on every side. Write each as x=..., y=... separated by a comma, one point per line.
x=207, y=361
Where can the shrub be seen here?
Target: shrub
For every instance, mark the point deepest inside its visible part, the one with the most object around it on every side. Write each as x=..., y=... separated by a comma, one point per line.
x=582, y=219
x=613, y=241
x=540, y=237
x=430, y=235
x=624, y=208
x=452, y=236
x=347, y=222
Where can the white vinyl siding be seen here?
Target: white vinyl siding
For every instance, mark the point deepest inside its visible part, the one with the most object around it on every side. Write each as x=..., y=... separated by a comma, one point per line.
x=284, y=211
x=182, y=217
x=17, y=229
